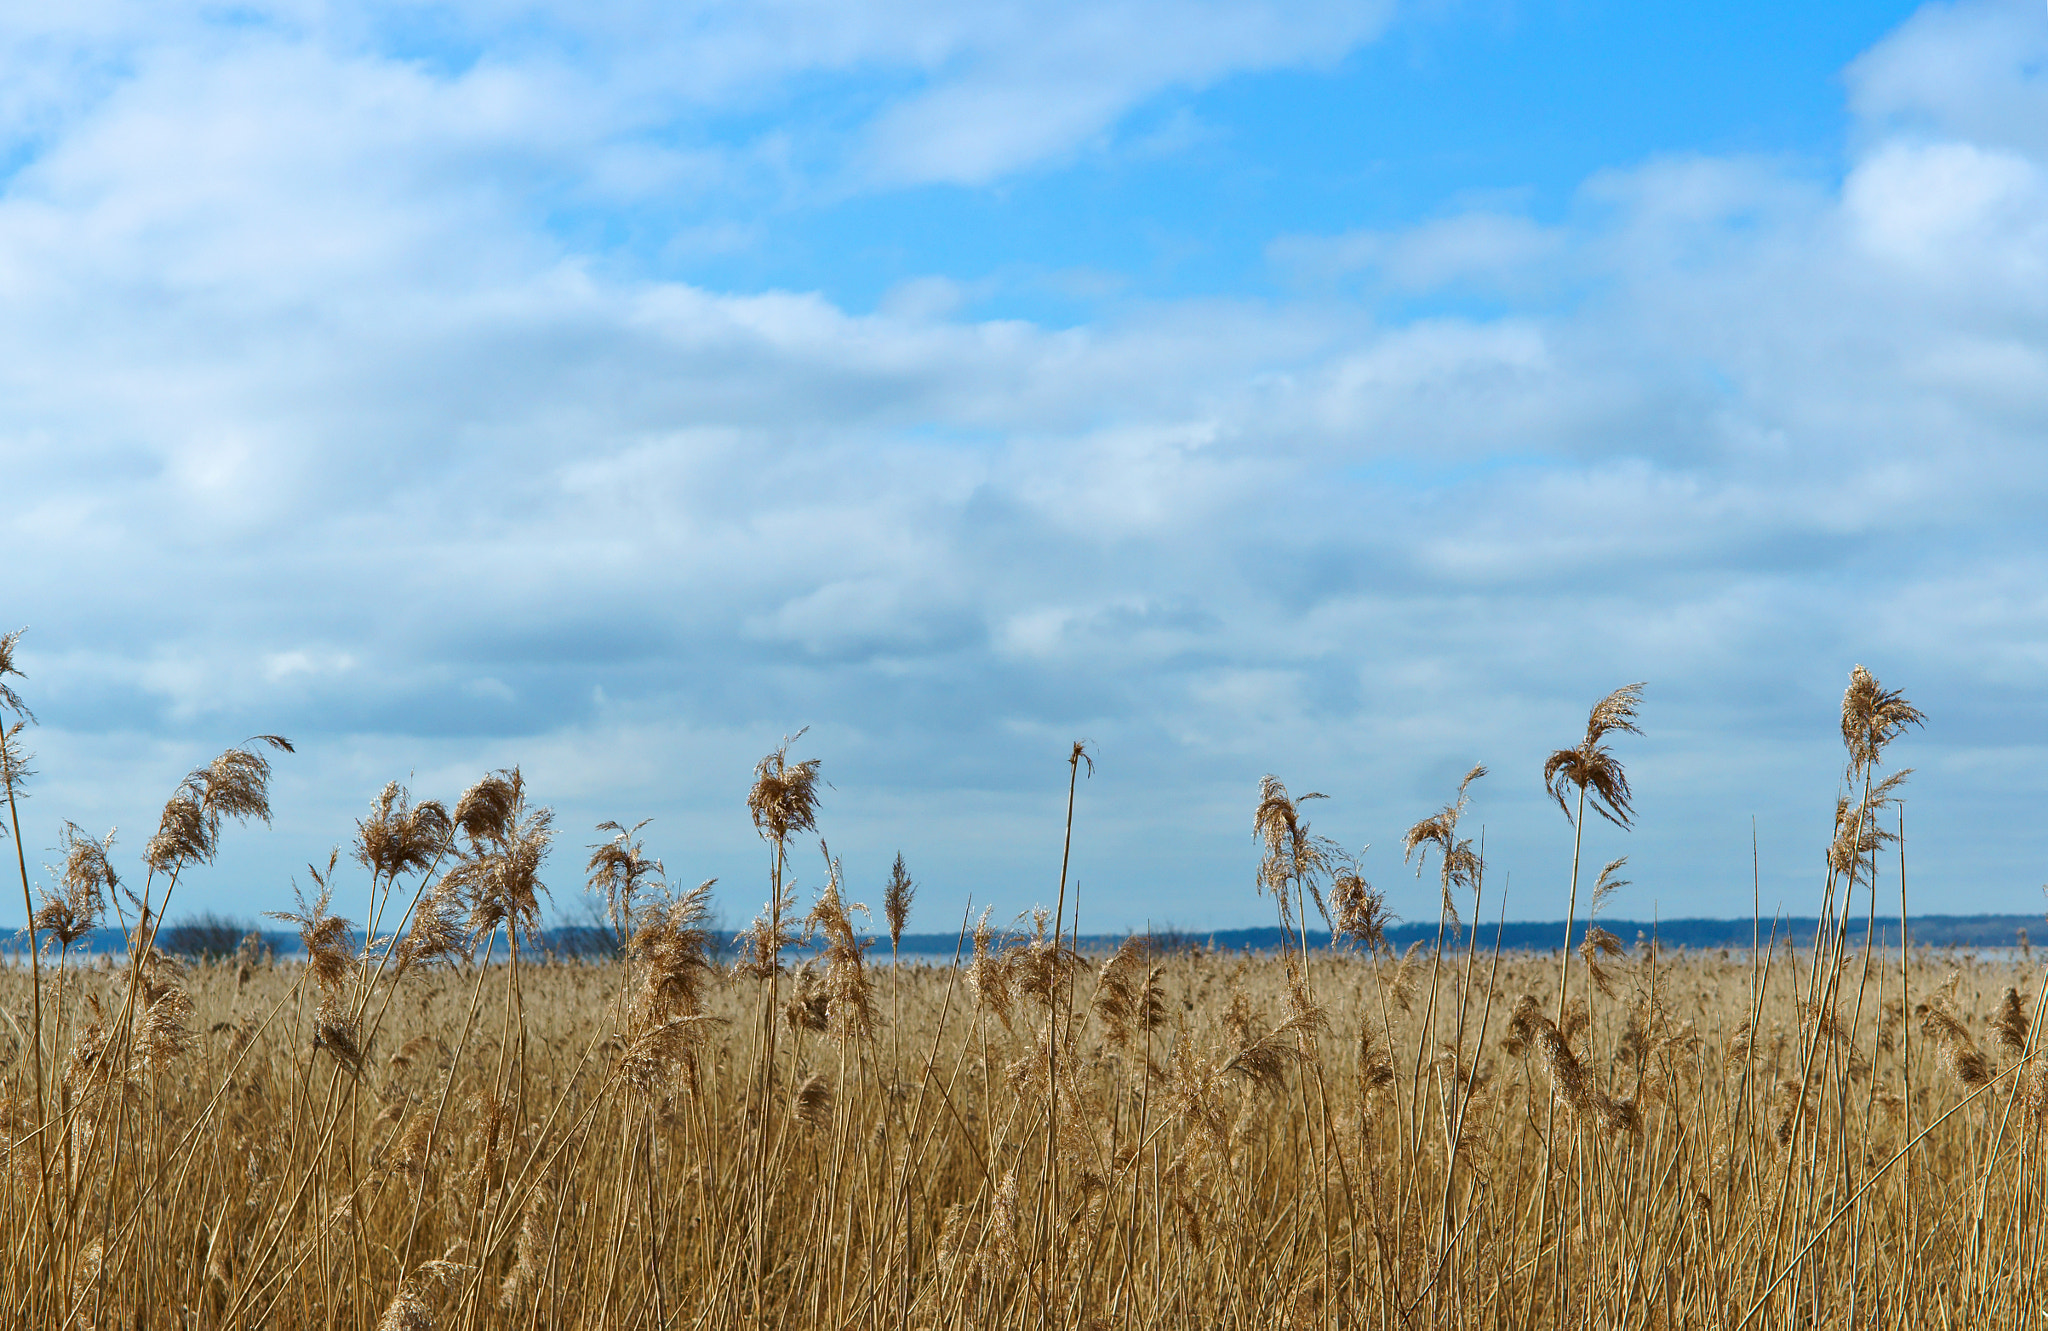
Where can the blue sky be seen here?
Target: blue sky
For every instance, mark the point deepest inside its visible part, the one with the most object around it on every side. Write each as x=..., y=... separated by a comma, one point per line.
x=1352, y=392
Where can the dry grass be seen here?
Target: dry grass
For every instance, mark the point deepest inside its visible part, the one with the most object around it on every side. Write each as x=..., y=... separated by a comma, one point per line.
x=238, y=1172
x=390, y=1134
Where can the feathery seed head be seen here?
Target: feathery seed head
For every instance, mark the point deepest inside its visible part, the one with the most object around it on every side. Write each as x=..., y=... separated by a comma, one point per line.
x=2011, y=1022
x=234, y=785
x=618, y=869
x=1401, y=984
x=409, y=1309
x=9, y=699
x=1955, y=1048
x=1591, y=767
x=1872, y=717
x=401, y=837
x=1596, y=944
x=896, y=899
x=1360, y=911
x=1607, y=884
x=808, y=1007
x=1459, y=865
x=784, y=796
x=1128, y=998
x=1293, y=856
x=487, y=813
x=437, y=932
x=499, y=875
x=673, y=945
x=87, y=878
x=849, y=995
x=182, y=835
x=988, y=973
x=1859, y=828
x=329, y=951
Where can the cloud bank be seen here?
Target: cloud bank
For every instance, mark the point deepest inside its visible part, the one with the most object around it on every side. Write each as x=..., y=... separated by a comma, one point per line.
x=330, y=411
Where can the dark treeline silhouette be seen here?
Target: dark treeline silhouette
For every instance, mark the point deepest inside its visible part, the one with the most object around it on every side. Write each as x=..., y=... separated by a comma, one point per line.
x=209, y=936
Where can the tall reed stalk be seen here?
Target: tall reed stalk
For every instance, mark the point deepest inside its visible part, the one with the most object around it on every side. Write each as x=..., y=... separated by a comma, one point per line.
x=1326, y=1138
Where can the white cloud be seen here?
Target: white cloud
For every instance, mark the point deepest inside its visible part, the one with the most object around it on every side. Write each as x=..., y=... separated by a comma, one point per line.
x=322, y=429
x=618, y=101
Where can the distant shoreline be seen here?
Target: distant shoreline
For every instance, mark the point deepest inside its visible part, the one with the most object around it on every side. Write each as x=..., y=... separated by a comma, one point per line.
x=1994, y=931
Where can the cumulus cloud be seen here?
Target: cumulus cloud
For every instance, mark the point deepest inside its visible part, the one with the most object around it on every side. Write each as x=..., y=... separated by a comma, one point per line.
x=317, y=423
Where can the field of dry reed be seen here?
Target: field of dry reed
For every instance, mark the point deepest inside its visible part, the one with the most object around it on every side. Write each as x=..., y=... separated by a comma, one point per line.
x=406, y=1128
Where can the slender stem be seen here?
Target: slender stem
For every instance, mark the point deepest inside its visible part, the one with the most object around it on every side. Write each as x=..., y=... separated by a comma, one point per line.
x=11, y=776
x=1905, y=1062
x=1564, y=969
x=1052, y=1041
x=1564, y=972
x=766, y=1074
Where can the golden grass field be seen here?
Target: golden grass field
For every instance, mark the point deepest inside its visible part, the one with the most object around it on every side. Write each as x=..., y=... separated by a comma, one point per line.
x=1315, y=1177
x=390, y=1133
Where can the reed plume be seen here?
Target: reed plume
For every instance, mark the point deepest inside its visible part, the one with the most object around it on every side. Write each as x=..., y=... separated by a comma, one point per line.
x=1360, y=911
x=988, y=972
x=235, y=785
x=1954, y=1046
x=88, y=878
x=1590, y=766
x=1128, y=998
x=2010, y=1022
x=849, y=994
x=400, y=837
x=1596, y=944
x=1872, y=717
x=1593, y=769
x=498, y=874
x=1293, y=856
x=896, y=899
x=1459, y=865
x=410, y=1309
x=619, y=870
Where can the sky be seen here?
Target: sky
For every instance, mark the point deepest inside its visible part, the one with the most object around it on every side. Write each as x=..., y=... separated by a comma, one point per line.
x=1349, y=392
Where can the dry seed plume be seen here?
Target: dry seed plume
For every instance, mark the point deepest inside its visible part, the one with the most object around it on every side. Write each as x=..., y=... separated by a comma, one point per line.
x=813, y=1102
x=1955, y=1046
x=498, y=875
x=1607, y=884
x=619, y=870
x=988, y=972
x=235, y=785
x=1872, y=717
x=849, y=995
x=1591, y=766
x=88, y=879
x=896, y=899
x=1128, y=998
x=1599, y=943
x=330, y=952
x=2010, y=1022
x=1459, y=864
x=9, y=699
x=401, y=837
x=1360, y=910
x=1293, y=856
x=784, y=796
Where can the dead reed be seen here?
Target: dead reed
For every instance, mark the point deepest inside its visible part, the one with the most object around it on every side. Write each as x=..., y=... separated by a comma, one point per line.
x=1026, y=1137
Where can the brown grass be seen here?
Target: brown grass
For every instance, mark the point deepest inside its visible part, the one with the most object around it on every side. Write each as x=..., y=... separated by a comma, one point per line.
x=1025, y=1137
x=232, y=1173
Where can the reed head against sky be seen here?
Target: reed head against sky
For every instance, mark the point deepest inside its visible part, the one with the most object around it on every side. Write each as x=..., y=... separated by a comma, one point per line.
x=1351, y=392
